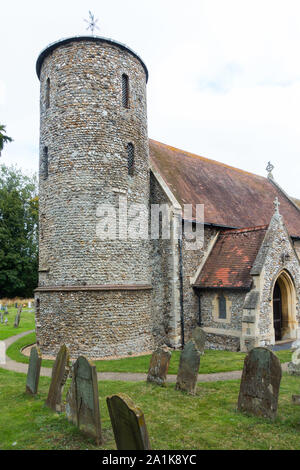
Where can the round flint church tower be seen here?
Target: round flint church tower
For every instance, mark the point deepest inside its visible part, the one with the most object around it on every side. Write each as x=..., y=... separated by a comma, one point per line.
x=94, y=293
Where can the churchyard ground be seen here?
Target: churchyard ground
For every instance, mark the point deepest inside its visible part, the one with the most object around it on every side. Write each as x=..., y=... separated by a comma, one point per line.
x=211, y=362
x=26, y=322
x=174, y=419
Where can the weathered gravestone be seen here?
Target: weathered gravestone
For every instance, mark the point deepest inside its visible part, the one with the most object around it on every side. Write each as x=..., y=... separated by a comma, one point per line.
x=294, y=365
x=82, y=403
x=159, y=365
x=34, y=368
x=18, y=316
x=188, y=368
x=128, y=423
x=60, y=372
x=199, y=337
x=2, y=352
x=1, y=317
x=260, y=383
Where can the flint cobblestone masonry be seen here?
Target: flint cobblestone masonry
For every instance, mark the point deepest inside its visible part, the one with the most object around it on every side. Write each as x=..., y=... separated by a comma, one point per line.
x=86, y=131
x=279, y=244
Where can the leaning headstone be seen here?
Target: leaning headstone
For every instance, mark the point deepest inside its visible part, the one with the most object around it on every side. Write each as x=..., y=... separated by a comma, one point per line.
x=293, y=367
x=18, y=316
x=260, y=383
x=82, y=402
x=188, y=368
x=128, y=423
x=159, y=365
x=1, y=318
x=199, y=336
x=34, y=368
x=60, y=372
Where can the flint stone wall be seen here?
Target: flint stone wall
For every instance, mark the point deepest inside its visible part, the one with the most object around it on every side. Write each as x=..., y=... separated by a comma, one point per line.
x=100, y=324
x=86, y=130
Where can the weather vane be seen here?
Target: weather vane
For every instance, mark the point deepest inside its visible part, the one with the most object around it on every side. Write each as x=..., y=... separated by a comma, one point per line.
x=92, y=23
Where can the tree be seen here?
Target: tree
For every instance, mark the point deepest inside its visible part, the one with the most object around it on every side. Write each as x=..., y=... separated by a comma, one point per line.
x=18, y=233
x=3, y=138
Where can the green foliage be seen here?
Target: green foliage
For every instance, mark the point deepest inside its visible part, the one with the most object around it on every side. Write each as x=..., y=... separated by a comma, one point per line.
x=3, y=138
x=18, y=233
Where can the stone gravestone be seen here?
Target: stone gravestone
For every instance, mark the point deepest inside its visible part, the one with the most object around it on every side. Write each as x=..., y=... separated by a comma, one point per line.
x=188, y=368
x=128, y=423
x=199, y=337
x=29, y=305
x=34, y=368
x=82, y=403
x=60, y=372
x=1, y=317
x=2, y=352
x=260, y=383
x=159, y=365
x=18, y=317
x=294, y=365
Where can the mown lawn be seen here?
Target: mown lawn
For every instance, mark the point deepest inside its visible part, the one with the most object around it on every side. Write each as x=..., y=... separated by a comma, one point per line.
x=26, y=323
x=211, y=361
x=174, y=419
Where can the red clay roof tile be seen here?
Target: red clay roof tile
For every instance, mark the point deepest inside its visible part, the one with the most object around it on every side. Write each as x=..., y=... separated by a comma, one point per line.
x=231, y=197
x=230, y=262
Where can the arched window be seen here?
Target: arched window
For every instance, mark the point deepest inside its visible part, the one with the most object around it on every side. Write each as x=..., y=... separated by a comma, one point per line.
x=47, y=94
x=130, y=158
x=222, y=306
x=44, y=163
x=125, y=91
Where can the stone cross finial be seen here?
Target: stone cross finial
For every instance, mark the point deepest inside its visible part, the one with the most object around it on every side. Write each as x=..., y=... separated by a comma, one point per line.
x=269, y=169
x=276, y=205
x=92, y=23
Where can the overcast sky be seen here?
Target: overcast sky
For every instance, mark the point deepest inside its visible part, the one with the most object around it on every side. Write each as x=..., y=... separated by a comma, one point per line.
x=224, y=75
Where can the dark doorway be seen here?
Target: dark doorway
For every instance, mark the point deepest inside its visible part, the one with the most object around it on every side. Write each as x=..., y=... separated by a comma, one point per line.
x=277, y=311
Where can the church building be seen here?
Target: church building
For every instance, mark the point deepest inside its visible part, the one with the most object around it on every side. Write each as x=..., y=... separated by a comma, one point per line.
x=125, y=295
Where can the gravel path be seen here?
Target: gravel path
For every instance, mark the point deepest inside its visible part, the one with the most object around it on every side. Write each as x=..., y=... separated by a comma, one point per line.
x=123, y=376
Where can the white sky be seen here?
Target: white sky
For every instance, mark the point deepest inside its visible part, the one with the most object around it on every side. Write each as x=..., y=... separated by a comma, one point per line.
x=224, y=75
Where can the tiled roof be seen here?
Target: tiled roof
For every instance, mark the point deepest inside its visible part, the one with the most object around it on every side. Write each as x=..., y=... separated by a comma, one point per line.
x=231, y=197
x=230, y=262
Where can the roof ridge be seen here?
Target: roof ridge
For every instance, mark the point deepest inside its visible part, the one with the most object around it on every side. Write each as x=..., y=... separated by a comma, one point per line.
x=200, y=157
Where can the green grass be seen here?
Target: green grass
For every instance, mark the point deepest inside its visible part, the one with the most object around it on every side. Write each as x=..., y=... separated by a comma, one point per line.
x=174, y=419
x=27, y=322
x=211, y=361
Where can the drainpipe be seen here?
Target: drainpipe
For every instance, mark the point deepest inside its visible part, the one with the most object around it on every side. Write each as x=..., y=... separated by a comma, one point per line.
x=181, y=291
